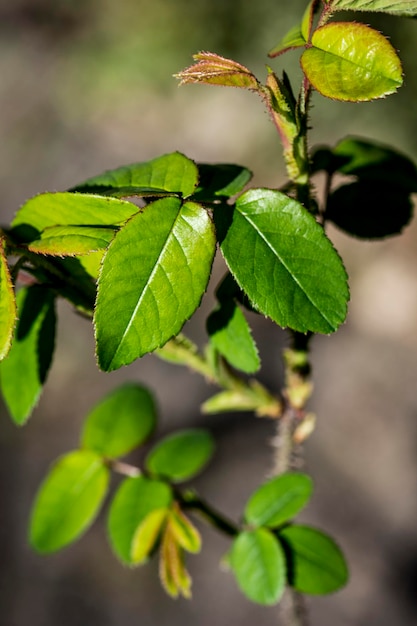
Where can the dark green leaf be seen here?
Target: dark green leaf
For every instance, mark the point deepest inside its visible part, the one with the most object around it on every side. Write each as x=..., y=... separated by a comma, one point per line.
x=316, y=564
x=134, y=500
x=170, y=173
x=23, y=373
x=258, y=563
x=230, y=334
x=7, y=305
x=406, y=8
x=279, y=500
x=64, y=208
x=220, y=180
x=72, y=240
x=121, y=422
x=153, y=277
x=181, y=455
x=370, y=209
x=282, y=259
x=352, y=62
x=68, y=500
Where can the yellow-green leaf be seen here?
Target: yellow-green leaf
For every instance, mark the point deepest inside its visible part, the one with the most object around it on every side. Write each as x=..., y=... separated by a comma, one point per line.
x=406, y=8
x=185, y=533
x=7, y=305
x=351, y=62
x=146, y=535
x=72, y=240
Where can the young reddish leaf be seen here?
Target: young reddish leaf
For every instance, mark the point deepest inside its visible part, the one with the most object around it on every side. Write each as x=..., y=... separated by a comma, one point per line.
x=173, y=575
x=351, y=62
x=213, y=69
x=31, y=353
x=406, y=8
x=7, y=305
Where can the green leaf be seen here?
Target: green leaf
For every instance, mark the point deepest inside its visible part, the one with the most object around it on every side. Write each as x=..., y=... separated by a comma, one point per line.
x=370, y=209
x=406, y=8
x=68, y=209
x=230, y=334
x=185, y=533
x=293, y=39
x=72, y=240
x=317, y=566
x=68, y=500
x=220, y=180
x=181, y=455
x=7, y=305
x=258, y=563
x=279, y=500
x=152, y=279
x=369, y=160
x=282, y=259
x=170, y=173
x=352, y=62
x=135, y=499
x=24, y=372
x=147, y=535
x=122, y=421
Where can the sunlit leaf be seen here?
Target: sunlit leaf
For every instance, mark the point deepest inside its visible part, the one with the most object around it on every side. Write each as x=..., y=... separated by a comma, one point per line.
x=213, y=69
x=153, y=277
x=181, y=455
x=352, y=62
x=68, y=500
x=23, y=373
x=120, y=422
x=135, y=499
x=278, y=500
x=7, y=305
x=169, y=173
x=230, y=333
x=316, y=564
x=72, y=240
x=395, y=7
x=258, y=563
x=282, y=259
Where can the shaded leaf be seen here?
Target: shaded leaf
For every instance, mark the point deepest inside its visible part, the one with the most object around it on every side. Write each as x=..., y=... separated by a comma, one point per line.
x=293, y=39
x=220, y=180
x=406, y=8
x=153, y=277
x=68, y=500
x=135, y=499
x=352, y=62
x=7, y=305
x=283, y=261
x=370, y=209
x=68, y=209
x=317, y=566
x=169, y=173
x=230, y=334
x=181, y=455
x=72, y=240
x=23, y=373
x=279, y=500
x=147, y=535
x=123, y=420
x=258, y=563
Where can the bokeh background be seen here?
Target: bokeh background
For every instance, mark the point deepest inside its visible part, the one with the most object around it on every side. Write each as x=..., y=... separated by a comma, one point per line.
x=86, y=85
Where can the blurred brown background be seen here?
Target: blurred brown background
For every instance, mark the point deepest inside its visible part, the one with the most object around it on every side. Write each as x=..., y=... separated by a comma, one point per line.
x=86, y=85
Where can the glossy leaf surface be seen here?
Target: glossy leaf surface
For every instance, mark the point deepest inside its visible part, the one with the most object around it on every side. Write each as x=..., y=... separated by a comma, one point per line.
x=135, y=499
x=72, y=240
x=317, y=564
x=23, y=373
x=283, y=261
x=181, y=455
x=352, y=62
x=395, y=7
x=68, y=500
x=7, y=305
x=153, y=277
x=120, y=422
x=230, y=334
x=279, y=500
x=258, y=563
x=64, y=208
x=170, y=173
